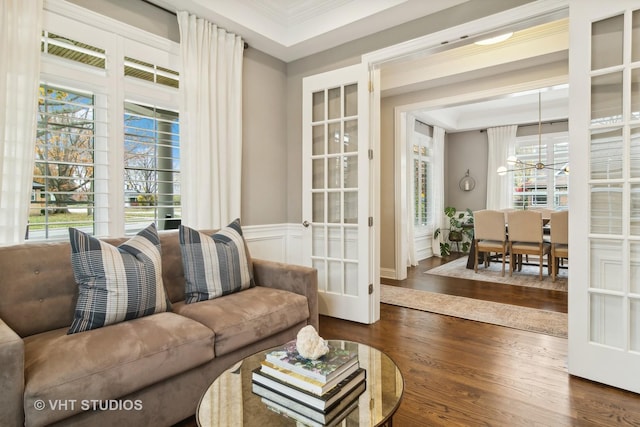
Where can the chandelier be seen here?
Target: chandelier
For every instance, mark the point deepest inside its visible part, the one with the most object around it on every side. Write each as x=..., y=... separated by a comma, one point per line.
x=516, y=164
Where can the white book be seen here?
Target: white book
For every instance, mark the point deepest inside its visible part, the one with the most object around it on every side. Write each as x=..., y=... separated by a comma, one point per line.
x=309, y=384
x=277, y=400
x=321, y=403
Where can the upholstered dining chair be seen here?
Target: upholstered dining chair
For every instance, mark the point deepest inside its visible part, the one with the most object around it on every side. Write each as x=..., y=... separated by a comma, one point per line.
x=559, y=240
x=490, y=235
x=526, y=238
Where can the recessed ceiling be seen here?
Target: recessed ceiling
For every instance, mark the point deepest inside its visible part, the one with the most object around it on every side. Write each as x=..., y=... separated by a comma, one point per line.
x=518, y=108
x=292, y=29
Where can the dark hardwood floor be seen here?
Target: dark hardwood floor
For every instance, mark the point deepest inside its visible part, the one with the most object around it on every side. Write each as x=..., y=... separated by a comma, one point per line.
x=464, y=373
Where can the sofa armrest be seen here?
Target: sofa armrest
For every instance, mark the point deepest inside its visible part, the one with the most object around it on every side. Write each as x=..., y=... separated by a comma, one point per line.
x=11, y=376
x=289, y=277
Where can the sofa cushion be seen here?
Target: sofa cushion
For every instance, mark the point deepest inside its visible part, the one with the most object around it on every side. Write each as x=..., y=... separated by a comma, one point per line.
x=246, y=317
x=116, y=283
x=216, y=264
x=109, y=362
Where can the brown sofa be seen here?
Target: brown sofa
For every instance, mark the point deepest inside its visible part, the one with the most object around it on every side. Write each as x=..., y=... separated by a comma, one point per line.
x=148, y=371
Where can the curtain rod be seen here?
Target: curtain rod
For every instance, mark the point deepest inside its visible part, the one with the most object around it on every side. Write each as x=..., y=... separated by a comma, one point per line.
x=246, y=45
x=550, y=122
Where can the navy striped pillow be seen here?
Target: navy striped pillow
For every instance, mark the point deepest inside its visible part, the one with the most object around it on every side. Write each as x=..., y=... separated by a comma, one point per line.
x=116, y=283
x=214, y=265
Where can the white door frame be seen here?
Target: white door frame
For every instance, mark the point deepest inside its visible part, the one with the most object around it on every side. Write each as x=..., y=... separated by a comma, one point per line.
x=527, y=14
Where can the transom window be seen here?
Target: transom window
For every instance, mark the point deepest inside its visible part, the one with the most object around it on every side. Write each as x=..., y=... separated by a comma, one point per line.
x=72, y=50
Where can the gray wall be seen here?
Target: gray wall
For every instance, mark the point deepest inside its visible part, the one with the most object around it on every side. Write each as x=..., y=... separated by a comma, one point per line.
x=137, y=14
x=264, y=134
x=466, y=150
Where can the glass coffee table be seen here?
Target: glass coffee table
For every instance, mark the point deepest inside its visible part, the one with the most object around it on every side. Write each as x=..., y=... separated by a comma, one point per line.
x=229, y=401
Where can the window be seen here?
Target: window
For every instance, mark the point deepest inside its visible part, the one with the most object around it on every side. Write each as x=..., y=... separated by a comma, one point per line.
x=151, y=166
x=107, y=153
x=64, y=166
x=422, y=175
x=150, y=72
x=547, y=187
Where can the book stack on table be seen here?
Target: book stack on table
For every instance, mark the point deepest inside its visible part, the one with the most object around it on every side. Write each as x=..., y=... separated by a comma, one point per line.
x=313, y=392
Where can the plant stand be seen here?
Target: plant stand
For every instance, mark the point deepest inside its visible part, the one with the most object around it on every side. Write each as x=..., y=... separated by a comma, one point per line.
x=456, y=237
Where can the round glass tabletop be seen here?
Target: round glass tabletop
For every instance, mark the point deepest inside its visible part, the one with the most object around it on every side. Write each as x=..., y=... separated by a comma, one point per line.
x=231, y=400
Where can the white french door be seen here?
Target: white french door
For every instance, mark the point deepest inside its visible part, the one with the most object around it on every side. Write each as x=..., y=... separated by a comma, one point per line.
x=604, y=202
x=335, y=184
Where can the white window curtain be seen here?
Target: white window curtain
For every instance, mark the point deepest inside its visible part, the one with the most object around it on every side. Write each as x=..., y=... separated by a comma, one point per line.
x=502, y=142
x=210, y=123
x=20, y=31
x=438, y=182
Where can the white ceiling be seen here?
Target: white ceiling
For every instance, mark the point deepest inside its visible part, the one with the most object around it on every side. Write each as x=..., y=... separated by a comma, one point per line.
x=292, y=29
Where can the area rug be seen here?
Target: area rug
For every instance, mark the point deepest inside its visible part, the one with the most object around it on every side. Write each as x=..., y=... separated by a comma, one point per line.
x=524, y=318
x=527, y=277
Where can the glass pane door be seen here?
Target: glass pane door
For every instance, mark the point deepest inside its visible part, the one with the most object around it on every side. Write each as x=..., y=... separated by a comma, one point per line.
x=604, y=235
x=335, y=197
x=335, y=190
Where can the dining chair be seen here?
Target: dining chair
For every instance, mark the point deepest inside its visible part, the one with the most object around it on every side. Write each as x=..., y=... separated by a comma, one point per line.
x=489, y=233
x=526, y=238
x=559, y=240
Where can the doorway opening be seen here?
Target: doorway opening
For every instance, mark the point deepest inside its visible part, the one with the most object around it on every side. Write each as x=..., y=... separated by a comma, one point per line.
x=535, y=57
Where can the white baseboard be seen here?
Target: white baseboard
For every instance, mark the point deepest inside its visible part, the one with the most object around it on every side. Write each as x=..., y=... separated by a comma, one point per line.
x=388, y=273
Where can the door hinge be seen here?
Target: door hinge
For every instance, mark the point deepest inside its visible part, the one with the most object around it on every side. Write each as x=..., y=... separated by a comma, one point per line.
x=370, y=288
x=370, y=86
x=370, y=221
x=370, y=154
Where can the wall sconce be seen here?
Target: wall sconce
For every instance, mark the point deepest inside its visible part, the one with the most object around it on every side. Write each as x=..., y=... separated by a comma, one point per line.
x=467, y=183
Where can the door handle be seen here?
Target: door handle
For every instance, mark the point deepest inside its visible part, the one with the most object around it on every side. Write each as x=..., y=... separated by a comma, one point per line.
x=306, y=224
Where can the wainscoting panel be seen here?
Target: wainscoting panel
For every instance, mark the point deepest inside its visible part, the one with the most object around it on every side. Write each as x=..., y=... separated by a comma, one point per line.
x=294, y=244
x=275, y=242
x=268, y=242
x=423, y=247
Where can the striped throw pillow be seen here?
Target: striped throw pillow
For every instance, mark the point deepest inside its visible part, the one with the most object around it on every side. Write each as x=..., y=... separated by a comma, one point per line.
x=116, y=283
x=215, y=265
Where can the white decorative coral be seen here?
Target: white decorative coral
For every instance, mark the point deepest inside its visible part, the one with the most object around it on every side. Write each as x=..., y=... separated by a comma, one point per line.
x=309, y=344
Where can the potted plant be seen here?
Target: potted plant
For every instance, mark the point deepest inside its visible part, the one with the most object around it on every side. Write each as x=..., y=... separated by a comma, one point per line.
x=460, y=226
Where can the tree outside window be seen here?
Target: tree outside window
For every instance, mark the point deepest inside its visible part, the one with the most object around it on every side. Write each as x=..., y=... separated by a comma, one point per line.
x=64, y=162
